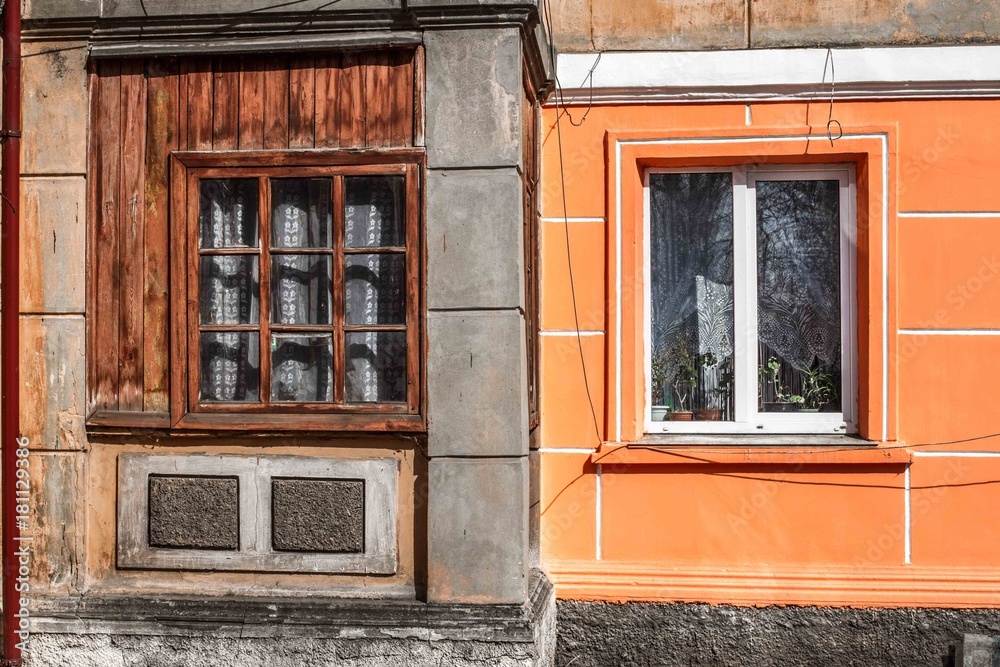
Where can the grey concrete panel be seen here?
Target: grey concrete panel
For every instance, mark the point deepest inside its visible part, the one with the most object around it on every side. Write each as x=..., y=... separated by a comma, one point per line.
x=475, y=240
x=477, y=530
x=678, y=635
x=324, y=515
x=56, y=108
x=148, y=8
x=53, y=244
x=473, y=97
x=978, y=651
x=778, y=23
x=477, y=391
x=467, y=3
x=59, y=9
x=194, y=512
x=53, y=381
x=255, y=475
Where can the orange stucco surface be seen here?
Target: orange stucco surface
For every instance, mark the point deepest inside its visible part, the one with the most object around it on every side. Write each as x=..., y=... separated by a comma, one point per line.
x=915, y=528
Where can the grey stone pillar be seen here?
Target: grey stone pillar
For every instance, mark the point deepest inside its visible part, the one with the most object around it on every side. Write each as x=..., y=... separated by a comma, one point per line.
x=476, y=364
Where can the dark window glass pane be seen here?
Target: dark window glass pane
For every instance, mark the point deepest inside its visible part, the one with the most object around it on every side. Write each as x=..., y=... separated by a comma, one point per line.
x=374, y=289
x=373, y=211
x=691, y=289
x=229, y=291
x=798, y=295
x=376, y=367
x=301, y=368
x=301, y=213
x=300, y=289
x=230, y=366
x=228, y=213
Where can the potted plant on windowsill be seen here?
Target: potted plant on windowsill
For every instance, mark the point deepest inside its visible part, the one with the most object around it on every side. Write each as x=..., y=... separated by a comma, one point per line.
x=719, y=396
x=785, y=401
x=818, y=388
x=660, y=372
x=684, y=376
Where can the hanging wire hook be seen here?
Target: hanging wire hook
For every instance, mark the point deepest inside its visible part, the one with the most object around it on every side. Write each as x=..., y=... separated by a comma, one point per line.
x=830, y=120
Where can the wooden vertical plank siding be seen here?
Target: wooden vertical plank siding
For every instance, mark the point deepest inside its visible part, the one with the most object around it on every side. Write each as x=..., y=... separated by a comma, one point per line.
x=328, y=73
x=143, y=110
x=276, y=89
x=106, y=173
x=301, y=101
x=351, y=102
x=377, y=99
x=162, y=120
x=251, y=102
x=225, y=104
x=199, y=103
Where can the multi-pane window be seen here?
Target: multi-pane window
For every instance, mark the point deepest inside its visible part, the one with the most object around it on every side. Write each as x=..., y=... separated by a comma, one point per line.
x=304, y=295
x=750, y=292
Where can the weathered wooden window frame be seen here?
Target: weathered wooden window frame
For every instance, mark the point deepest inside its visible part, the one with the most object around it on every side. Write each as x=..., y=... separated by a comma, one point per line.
x=186, y=168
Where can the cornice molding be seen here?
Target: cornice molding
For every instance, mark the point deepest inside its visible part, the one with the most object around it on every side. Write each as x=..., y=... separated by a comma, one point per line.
x=781, y=74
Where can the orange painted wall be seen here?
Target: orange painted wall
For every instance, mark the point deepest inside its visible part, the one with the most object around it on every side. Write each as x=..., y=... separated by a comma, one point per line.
x=911, y=524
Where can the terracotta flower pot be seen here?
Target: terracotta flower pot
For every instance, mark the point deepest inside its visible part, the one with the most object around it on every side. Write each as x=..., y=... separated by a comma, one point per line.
x=681, y=416
x=708, y=415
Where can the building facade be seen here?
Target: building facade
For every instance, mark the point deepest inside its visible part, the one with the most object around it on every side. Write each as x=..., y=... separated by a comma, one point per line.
x=360, y=332
x=277, y=359
x=778, y=217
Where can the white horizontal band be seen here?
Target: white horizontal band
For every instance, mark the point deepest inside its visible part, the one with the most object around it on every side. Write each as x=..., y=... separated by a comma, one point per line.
x=949, y=214
x=755, y=74
x=951, y=332
x=571, y=333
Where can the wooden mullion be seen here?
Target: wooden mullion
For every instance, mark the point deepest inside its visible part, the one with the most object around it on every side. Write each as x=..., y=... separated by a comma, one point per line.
x=265, y=290
x=376, y=250
x=299, y=251
x=223, y=328
x=374, y=328
x=194, y=288
x=304, y=329
x=413, y=353
x=228, y=251
x=337, y=286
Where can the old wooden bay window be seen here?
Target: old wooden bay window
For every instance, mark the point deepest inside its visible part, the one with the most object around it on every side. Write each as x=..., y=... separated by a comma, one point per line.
x=254, y=242
x=751, y=308
x=302, y=293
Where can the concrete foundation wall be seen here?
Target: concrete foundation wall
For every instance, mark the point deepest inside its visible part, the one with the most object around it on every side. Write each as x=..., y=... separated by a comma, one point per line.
x=697, y=635
x=694, y=25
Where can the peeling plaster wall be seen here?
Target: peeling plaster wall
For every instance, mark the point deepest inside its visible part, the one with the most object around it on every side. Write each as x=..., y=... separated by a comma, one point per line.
x=682, y=25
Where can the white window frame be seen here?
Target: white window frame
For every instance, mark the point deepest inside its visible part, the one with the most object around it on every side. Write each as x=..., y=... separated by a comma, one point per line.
x=747, y=418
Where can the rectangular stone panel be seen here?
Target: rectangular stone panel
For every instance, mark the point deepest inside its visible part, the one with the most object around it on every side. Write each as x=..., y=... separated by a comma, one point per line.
x=318, y=515
x=194, y=512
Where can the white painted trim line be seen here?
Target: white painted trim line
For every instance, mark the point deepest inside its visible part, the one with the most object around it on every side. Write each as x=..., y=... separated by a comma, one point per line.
x=565, y=220
x=882, y=137
x=565, y=450
x=957, y=455
x=949, y=214
x=915, y=72
x=907, y=519
x=950, y=332
x=569, y=332
x=597, y=504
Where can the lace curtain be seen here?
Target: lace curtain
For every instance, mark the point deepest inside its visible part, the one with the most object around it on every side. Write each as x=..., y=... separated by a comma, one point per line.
x=798, y=265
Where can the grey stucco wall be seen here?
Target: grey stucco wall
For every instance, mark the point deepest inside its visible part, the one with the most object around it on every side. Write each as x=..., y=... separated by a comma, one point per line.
x=696, y=635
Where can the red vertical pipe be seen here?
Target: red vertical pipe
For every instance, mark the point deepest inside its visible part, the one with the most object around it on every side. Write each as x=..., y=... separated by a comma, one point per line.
x=10, y=381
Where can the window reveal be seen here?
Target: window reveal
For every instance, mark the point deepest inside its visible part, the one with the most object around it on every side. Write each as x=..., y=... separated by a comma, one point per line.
x=749, y=301
x=306, y=292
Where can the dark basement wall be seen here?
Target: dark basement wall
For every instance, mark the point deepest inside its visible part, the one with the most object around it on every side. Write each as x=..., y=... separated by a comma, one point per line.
x=592, y=634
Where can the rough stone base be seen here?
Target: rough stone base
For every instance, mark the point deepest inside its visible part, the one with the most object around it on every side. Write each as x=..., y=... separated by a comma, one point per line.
x=204, y=632
x=52, y=650
x=696, y=635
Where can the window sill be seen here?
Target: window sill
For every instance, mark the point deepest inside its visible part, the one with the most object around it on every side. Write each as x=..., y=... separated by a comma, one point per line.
x=752, y=450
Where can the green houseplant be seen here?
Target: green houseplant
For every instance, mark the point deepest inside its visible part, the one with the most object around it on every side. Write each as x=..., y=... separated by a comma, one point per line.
x=784, y=399
x=660, y=372
x=818, y=388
